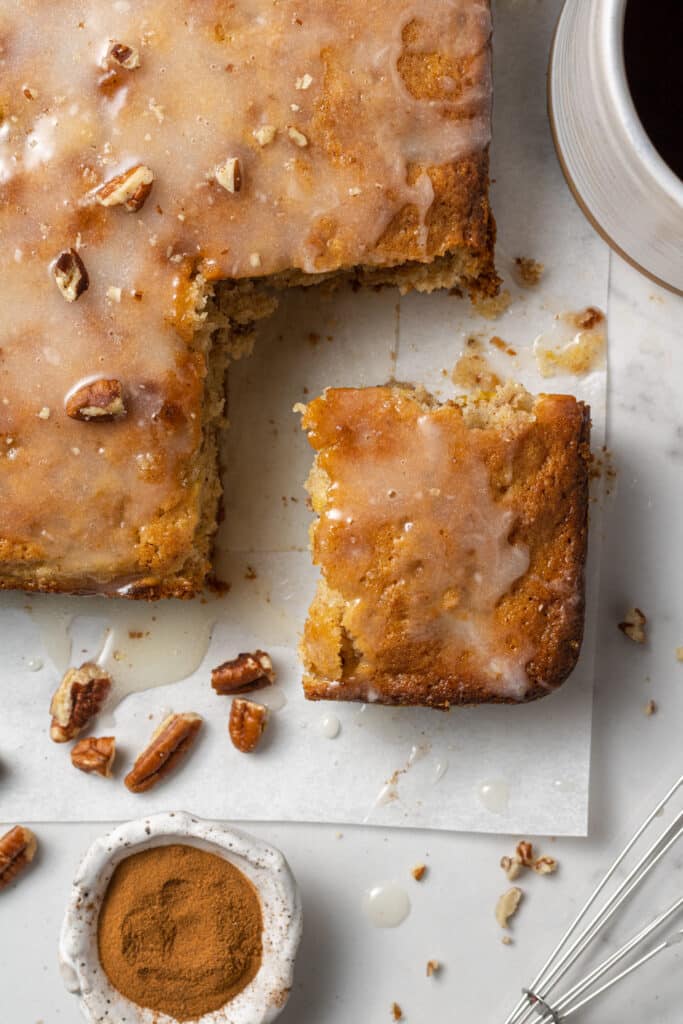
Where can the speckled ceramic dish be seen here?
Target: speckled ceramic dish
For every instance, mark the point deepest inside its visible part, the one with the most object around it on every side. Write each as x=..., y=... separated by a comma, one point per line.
x=263, y=998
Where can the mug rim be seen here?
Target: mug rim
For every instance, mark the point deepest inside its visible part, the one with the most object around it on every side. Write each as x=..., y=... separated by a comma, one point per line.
x=569, y=178
x=613, y=17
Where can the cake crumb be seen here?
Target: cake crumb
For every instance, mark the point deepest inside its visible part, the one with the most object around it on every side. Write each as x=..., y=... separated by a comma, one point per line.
x=577, y=357
x=499, y=343
x=528, y=271
x=586, y=319
x=396, y=1012
x=473, y=372
x=650, y=708
x=679, y=654
x=634, y=625
x=250, y=573
x=493, y=307
x=507, y=905
x=602, y=467
x=506, y=940
x=218, y=586
x=580, y=354
x=419, y=871
x=433, y=967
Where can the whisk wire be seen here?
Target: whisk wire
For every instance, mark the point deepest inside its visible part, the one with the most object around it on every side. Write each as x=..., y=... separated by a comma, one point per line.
x=565, y=1006
x=535, y=999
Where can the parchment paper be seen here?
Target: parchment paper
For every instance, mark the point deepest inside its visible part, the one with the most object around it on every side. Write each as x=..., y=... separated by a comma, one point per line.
x=522, y=769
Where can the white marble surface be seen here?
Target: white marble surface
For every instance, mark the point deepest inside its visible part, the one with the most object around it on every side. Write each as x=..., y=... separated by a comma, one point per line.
x=349, y=971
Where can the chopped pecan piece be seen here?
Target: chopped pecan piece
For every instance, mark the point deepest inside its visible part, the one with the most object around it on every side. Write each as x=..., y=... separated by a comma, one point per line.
x=99, y=400
x=167, y=748
x=245, y=673
x=512, y=867
x=524, y=853
x=229, y=175
x=125, y=56
x=634, y=625
x=433, y=967
x=247, y=722
x=297, y=137
x=78, y=698
x=264, y=134
x=396, y=1012
x=507, y=905
x=17, y=850
x=129, y=189
x=545, y=866
x=70, y=274
x=94, y=754
x=419, y=872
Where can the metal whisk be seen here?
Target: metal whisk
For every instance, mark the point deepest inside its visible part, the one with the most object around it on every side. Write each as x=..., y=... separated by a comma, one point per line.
x=540, y=1002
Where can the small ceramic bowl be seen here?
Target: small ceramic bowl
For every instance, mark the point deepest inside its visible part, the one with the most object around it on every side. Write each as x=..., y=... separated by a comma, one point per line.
x=262, y=999
x=631, y=196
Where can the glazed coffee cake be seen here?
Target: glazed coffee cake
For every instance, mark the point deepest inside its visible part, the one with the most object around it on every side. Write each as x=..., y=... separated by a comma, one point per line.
x=165, y=168
x=451, y=541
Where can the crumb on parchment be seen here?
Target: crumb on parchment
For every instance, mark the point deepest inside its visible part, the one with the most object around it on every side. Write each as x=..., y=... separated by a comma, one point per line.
x=578, y=355
x=528, y=271
x=491, y=307
x=473, y=372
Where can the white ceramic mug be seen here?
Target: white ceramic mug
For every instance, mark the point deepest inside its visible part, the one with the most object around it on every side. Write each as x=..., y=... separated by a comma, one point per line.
x=631, y=196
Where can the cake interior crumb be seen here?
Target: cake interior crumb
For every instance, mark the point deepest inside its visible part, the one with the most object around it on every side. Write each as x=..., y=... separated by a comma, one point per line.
x=492, y=306
x=528, y=271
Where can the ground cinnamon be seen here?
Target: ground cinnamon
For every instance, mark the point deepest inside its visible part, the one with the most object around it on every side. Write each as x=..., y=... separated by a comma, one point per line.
x=180, y=930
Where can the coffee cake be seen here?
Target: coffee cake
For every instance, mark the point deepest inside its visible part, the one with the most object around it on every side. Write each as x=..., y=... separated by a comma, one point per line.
x=451, y=541
x=166, y=168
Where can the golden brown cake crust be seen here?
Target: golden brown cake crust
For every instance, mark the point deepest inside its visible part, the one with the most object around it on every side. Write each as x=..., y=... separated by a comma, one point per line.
x=535, y=460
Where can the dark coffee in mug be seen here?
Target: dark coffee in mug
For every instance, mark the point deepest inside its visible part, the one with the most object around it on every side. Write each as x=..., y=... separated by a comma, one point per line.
x=653, y=55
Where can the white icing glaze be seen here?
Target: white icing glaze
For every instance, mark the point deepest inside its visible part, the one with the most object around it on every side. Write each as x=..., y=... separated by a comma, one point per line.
x=494, y=794
x=329, y=727
x=386, y=905
x=145, y=647
x=416, y=497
